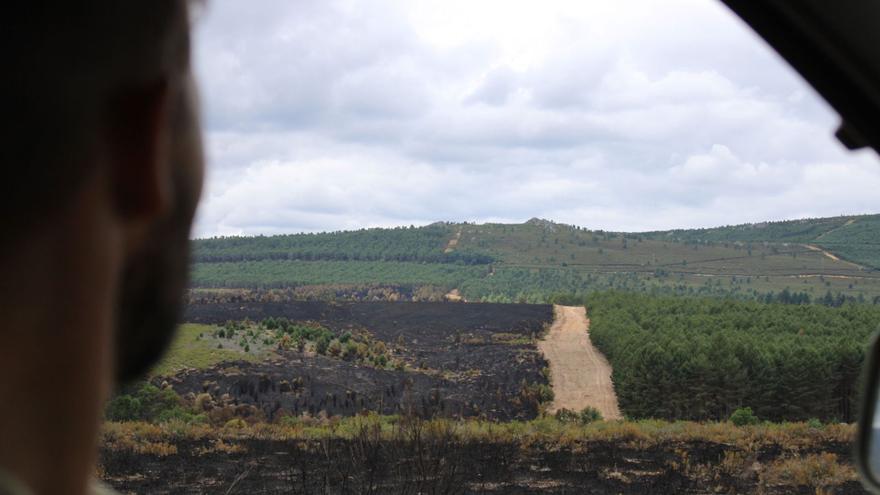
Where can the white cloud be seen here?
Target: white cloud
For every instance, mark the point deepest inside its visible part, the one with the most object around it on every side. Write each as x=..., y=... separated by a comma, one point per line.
x=325, y=115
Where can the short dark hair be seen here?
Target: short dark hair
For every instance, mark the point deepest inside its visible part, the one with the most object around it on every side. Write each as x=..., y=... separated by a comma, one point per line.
x=63, y=62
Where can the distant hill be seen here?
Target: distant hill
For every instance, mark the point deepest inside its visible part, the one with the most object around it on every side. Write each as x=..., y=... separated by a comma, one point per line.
x=424, y=244
x=804, y=230
x=538, y=260
x=854, y=238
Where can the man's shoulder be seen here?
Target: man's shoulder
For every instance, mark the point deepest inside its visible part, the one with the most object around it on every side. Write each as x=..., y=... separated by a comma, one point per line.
x=10, y=485
x=99, y=488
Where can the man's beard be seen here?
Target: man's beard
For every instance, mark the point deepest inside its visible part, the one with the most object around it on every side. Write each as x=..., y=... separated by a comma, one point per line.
x=150, y=303
x=153, y=286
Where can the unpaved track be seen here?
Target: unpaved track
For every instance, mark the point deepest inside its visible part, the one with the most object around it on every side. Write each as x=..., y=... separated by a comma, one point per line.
x=450, y=246
x=831, y=256
x=581, y=376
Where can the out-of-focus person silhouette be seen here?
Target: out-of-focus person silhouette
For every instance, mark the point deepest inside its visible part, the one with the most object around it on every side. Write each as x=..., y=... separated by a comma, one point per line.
x=102, y=171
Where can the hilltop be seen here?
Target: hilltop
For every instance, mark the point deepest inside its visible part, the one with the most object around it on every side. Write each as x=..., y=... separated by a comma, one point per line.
x=854, y=238
x=827, y=259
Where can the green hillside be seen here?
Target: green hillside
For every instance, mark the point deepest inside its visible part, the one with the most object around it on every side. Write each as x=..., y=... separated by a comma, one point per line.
x=804, y=230
x=424, y=244
x=853, y=238
x=798, y=261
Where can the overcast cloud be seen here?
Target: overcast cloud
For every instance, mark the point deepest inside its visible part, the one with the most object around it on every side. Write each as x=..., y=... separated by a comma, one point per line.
x=624, y=115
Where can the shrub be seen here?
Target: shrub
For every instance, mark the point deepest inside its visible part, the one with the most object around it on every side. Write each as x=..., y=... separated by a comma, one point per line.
x=203, y=401
x=362, y=350
x=566, y=415
x=334, y=348
x=178, y=413
x=322, y=344
x=146, y=402
x=235, y=423
x=589, y=415
x=586, y=416
x=744, y=416
x=536, y=393
x=350, y=351
x=545, y=393
x=289, y=421
x=382, y=360
x=155, y=400
x=124, y=408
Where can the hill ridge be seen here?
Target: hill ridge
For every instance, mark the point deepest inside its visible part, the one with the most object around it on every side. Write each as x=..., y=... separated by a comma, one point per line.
x=829, y=259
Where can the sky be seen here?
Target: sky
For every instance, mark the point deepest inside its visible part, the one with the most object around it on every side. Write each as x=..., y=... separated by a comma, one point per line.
x=629, y=115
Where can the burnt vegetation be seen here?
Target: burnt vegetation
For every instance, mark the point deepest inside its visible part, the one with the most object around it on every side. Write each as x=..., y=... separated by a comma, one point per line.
x=332, y=359
x=449, y=398
x=408, y=455
x=313, y=377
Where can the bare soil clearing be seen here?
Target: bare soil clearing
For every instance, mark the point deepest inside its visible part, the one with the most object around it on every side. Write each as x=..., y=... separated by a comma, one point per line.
x=581, y=376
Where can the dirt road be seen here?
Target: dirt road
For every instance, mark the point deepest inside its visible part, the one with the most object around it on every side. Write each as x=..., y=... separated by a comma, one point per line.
x=450, y=246
x=832, y=256
x=581, y=376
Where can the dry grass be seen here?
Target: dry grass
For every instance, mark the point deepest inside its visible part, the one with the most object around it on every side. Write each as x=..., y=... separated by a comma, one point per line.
x=794, y=455
x=140, y=438
x=818, y=471
x=544, y=430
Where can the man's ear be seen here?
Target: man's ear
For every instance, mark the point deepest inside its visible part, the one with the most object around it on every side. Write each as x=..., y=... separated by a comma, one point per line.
x=139, y=152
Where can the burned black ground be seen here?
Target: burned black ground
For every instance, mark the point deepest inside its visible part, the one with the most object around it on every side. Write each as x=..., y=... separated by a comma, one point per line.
x=462, y=360
x=449, y=465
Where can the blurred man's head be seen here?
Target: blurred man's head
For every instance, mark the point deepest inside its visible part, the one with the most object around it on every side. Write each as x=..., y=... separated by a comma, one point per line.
x=95, y=87
x=102, y=162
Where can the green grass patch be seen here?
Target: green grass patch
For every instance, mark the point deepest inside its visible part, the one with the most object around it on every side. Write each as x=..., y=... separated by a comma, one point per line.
x=196, y=347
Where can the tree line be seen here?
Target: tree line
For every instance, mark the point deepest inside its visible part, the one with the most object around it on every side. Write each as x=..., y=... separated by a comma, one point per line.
x=488, y=283
x=703, y=358
x=402, y=244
